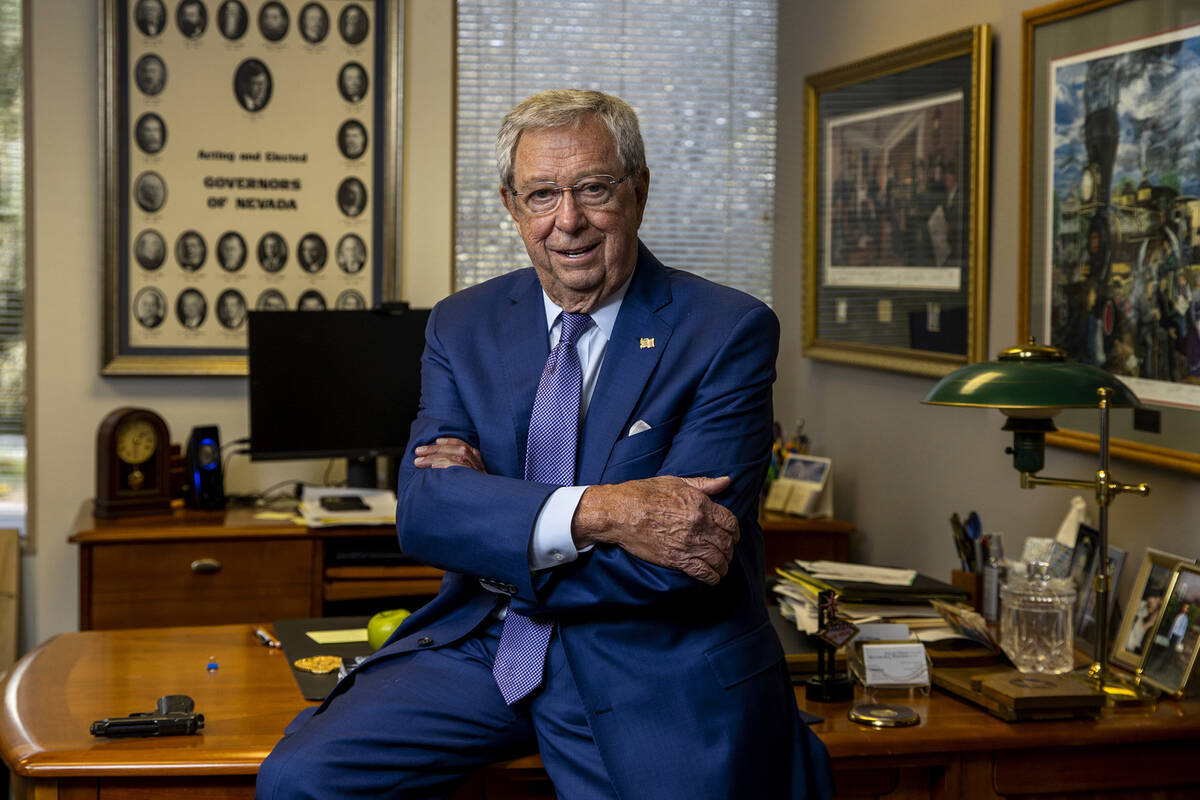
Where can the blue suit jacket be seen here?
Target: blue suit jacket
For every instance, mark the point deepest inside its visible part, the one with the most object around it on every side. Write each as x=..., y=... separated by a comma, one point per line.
x=684, y=684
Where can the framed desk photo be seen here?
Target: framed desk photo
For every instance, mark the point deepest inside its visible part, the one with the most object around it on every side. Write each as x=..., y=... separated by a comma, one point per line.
x=1110, y=213
x=1171, y=651
x=250, y=163
x=896, y=207
x=804, y=487
x=1085, y=604
x=1145, y=605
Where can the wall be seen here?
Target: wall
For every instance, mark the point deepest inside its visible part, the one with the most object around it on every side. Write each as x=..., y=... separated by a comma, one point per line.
x=68, y=398
x=901, y=468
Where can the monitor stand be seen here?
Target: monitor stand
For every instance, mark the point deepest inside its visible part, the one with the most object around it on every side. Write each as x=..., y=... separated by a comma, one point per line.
x=360, y=473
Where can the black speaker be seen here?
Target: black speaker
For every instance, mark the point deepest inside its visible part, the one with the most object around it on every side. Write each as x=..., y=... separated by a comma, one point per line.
x=204, y=476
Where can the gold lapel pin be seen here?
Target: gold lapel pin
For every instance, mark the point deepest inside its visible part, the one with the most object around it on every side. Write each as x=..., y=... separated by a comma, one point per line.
x=645, y=342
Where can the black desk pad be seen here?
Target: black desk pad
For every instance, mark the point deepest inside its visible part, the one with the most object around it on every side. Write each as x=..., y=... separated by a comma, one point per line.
x=292, y=634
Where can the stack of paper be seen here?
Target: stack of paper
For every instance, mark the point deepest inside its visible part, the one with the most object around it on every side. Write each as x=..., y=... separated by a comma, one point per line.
x=844, y=571
x=863, y=594
x=380, y=510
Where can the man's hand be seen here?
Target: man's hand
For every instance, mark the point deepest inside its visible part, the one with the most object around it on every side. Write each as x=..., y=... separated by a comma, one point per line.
x=666, y=520
x=448, y=452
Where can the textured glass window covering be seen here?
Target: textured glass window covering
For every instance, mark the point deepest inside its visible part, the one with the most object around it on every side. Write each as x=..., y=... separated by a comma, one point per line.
x=12, y=257
x=701, y=76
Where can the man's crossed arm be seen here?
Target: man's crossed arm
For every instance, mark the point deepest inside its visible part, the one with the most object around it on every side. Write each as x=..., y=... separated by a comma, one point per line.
x=665, y=520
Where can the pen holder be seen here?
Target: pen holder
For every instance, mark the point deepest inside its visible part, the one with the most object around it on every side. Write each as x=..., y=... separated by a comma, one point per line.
x=972, y=584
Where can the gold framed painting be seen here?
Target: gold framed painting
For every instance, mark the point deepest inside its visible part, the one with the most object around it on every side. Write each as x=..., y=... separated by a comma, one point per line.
x=1110, y=211
x=896, y=207
x=249, y=161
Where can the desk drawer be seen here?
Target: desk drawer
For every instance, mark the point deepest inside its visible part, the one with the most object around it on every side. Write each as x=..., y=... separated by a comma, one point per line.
x=197, y=583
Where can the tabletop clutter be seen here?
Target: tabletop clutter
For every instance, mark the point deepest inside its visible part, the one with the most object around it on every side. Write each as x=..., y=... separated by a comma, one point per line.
x=1030, y=610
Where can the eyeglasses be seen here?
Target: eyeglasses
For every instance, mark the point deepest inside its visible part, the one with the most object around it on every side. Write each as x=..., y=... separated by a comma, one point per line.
x=594, y=191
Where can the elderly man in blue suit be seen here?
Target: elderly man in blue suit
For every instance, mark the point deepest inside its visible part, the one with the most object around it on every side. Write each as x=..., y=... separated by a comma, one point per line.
x=586, y=464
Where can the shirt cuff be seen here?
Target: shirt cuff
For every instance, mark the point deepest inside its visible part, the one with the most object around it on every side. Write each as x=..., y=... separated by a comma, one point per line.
x=552, y=544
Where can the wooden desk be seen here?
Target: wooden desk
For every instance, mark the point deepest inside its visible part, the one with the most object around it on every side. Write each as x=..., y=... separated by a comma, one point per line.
x=956, y=752
x=210, y=567
x=786, y=537
x=213, y=567
x=57, y=690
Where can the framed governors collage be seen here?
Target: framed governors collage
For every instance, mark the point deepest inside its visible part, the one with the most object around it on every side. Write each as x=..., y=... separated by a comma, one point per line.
x=249, y=165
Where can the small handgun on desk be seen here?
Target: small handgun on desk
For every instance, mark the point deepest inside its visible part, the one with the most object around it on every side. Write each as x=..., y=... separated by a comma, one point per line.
x=172, y=716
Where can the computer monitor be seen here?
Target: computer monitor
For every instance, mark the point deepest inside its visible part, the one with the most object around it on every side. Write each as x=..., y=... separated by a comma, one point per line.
x=334, y=384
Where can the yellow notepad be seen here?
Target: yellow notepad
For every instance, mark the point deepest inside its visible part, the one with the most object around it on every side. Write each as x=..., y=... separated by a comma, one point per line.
x=344, y=636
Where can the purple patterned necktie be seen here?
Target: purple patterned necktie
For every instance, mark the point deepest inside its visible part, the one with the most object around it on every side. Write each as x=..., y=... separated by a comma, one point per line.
x=549, y=458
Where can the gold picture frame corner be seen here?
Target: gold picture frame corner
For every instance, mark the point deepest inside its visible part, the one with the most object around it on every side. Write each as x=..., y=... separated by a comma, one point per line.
x=175, y=366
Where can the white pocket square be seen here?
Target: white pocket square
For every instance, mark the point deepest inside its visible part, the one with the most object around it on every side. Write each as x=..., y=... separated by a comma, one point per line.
x=638, y=427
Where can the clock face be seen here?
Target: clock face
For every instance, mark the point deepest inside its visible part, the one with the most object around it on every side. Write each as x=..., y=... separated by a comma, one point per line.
x=136, y=441
x=133, y=464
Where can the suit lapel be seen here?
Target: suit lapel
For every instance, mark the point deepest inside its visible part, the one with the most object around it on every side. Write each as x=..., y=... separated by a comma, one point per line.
x=524, y=345
x=638, y=340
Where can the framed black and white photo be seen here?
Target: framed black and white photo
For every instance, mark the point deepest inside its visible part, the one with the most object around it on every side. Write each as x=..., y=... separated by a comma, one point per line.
x=249, y=146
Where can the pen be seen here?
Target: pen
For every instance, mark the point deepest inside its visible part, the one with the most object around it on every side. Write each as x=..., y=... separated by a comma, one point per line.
x=267, y=639
x=975, y=534
x=962, y=543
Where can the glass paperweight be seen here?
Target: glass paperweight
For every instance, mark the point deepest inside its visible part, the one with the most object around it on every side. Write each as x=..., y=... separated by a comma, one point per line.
x=1035, y=621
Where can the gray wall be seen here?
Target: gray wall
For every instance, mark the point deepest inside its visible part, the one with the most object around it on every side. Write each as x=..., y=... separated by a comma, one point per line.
x=901, y=467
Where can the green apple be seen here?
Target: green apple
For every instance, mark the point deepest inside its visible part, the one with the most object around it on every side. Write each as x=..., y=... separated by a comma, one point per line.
x=382, y=625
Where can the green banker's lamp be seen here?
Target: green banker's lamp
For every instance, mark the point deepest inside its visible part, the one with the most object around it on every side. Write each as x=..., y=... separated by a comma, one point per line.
x=1030, y=384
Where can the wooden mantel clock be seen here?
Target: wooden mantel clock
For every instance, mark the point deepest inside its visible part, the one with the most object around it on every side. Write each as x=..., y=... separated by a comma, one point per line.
x=132, y=464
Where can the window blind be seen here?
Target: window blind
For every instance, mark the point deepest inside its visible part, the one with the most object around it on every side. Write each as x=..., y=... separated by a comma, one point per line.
x=701, y=76
x=12, y=257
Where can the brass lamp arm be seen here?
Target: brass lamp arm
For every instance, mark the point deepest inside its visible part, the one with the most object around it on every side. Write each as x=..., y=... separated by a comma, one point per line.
x=1105, y=489
x=1030, y=480
x=1108, y=489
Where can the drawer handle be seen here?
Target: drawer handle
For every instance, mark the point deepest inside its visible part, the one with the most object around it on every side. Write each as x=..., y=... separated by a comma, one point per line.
x=206, y=566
